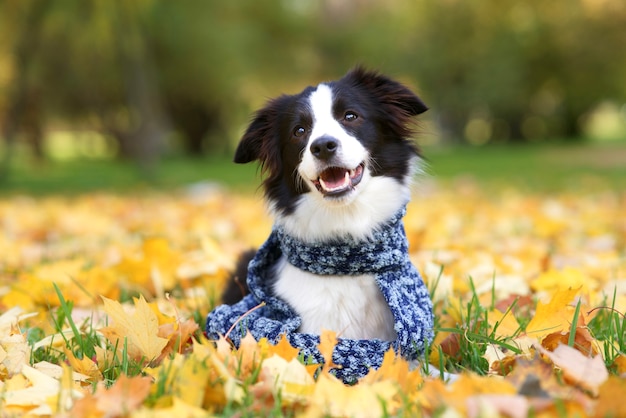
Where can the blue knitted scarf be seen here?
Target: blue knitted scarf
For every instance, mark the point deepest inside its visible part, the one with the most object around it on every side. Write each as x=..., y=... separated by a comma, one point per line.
x=385, y=255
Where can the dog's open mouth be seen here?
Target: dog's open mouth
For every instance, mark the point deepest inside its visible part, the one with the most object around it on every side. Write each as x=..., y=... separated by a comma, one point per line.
x=335, y=181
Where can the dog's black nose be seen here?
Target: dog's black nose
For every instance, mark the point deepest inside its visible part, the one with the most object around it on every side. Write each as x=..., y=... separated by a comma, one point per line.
x=324, y=147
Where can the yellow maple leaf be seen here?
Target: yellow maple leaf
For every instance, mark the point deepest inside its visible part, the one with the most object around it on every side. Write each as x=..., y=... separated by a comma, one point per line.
x=183, y=373
x=139, y=331
x=554, y=279
x=289, y=378
x=505, y=324
x=395, y=369
x=553, y=316
x=332, y=398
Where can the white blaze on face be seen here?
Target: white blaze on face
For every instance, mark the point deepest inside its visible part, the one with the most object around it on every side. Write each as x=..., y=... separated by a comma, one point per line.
x=350, y=152
x=374, y=199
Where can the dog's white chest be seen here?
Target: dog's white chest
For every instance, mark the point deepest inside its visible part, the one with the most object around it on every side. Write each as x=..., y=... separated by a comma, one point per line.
x=353, y=306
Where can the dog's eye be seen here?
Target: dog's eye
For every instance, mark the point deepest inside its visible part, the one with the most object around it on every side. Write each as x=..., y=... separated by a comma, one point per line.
x=299, y=131
x=350, y=116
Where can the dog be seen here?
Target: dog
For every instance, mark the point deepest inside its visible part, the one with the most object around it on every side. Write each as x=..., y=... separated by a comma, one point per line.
x=338, y=163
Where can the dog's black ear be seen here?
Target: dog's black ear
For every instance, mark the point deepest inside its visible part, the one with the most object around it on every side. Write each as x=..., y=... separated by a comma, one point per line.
x=251, y=144
x=388, y=91
x=259, y=139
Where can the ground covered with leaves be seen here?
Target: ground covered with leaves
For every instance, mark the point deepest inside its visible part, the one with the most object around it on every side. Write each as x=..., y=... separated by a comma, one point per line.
x=103, y=298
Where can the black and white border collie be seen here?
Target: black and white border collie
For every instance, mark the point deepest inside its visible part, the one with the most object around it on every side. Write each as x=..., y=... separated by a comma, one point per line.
x=338, y=162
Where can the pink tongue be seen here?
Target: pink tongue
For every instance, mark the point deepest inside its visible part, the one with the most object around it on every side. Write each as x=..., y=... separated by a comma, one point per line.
x=334, y=177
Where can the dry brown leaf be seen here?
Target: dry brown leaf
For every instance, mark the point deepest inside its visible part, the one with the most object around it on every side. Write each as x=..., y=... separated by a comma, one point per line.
x=583, y=341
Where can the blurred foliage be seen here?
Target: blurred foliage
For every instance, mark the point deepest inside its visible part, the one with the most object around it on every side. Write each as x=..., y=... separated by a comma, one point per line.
x=157, y=76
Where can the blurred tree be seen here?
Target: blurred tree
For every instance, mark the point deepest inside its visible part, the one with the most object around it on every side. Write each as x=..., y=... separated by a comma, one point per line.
x=151, y=73
x=530, y=68
x=22, y=103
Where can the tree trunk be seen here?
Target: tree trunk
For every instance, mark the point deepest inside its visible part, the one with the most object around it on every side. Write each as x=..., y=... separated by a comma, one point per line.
x=24, y=51
x=145, y=142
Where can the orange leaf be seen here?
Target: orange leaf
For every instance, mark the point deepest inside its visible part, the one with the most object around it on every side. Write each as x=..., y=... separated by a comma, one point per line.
x=283, y=349
x=328, y=341
x=619, y=364
x=583, y=341
x=85, y=366
x=178, y=334
x=395, y=368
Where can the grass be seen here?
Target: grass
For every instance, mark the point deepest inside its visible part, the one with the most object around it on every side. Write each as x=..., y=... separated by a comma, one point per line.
x=543, y=167
x=540, y=166
x=537, y=166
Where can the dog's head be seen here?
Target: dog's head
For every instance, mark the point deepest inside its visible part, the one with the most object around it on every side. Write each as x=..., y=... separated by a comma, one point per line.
x=329, y=142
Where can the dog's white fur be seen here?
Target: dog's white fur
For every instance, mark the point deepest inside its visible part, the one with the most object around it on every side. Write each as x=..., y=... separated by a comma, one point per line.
x=353, y=306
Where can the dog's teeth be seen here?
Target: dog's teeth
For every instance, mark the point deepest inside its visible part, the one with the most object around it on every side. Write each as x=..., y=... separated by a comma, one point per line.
x=346, y=182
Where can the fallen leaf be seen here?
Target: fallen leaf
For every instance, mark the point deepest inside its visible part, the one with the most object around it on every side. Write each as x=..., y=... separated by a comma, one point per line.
x=583, y=341
x=84, y=366
x=611, y=395
x=328, y=341
x=126, y=394
x=35, y=391
x=555, y=316
x=586, y=372
x=283, y=349
x=14, y=352
x=139, y=331
x=502, y=324
x=290, y=379
x=513, y=406
x=178, y=408
x=395, y=368
x=332, y=398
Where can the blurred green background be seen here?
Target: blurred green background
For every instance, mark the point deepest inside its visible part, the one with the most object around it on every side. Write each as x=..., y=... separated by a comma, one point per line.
x=118, y=93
